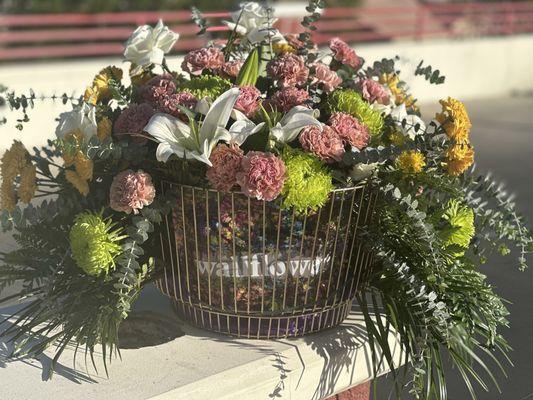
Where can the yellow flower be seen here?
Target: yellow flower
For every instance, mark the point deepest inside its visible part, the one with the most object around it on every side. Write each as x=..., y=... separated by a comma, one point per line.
x=8, y=198
x=400, y=95
x=139, y=78
x=83, y=166
x=13, y=160
x=397, y=138
x=28, y=183
x=99, y=91
x=459, y=158
x=78, y=182
x=411, y=162
x=70, y=147
x=104, y=128
x=454, y=120
x=282, y=48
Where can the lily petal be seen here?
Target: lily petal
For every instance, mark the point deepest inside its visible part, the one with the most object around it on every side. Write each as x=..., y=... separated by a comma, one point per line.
x=166, y=128
x=219, y=113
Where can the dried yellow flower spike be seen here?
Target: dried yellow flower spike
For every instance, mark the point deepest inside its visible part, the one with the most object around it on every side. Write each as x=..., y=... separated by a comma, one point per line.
x=104, y=128
x=99, y=91
x=84, y=166
x=28, y=183
x=78, y=182
x=8, y=197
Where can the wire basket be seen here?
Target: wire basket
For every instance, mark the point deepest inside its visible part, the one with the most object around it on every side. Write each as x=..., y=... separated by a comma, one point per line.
x=249, y=268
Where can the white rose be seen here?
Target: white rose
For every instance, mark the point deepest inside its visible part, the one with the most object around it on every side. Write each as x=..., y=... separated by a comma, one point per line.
x=82, y=118
x=361, y=171
x=148, y=45
x=252, y=21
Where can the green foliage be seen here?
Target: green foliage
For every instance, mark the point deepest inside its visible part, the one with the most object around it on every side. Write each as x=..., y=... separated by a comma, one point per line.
x=433, y=76
x=351, y=102
x=250, y=70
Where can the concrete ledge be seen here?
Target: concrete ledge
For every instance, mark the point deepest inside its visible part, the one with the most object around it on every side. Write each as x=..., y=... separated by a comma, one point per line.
x=201, y=365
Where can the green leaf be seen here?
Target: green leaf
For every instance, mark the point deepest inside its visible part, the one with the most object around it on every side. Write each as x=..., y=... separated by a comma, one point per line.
x=250, y=70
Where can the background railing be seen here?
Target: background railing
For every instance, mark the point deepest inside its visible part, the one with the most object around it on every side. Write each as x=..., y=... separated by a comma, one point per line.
x=48, y=36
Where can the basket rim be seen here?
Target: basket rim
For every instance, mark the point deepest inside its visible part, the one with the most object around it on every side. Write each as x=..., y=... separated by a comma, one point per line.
x=362, y=184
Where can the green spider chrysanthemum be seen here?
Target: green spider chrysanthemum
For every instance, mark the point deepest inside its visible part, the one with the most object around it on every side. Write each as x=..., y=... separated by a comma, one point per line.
x=207, y=86
x=308, y=182
x=94, y=243
x=351, y=102
x=456, y=227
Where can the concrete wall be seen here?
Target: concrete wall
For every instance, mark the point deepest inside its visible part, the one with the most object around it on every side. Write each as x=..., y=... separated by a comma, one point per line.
x=474, y=68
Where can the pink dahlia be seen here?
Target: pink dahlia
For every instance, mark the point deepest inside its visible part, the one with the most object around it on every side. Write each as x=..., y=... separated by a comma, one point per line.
x=325, y=143
x=289, y=69
x=372, y=91
x=226, y=162
x=325, y=76
x=249, y=100
x=230, y=69
x=131, y=191
x=344, y=53
x=196, y=61
x=133, y=119
x=287, y=98
x=262, y=175
x=350, y=130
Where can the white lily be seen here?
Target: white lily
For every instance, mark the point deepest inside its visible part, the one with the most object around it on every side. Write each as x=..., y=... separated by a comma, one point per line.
x=81, y=118
x=148, y=45
x=191, y=142
x=254, y=22
x=293, y=122
x=410, y=125
x=242, y=127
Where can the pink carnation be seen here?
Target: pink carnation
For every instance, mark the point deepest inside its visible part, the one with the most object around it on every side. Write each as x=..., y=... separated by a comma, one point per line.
x=131, y=191
x=171, y=104
x=160, y=86
x=344, y=53
x=289, y=69
x=262, y=175
x=350, y=130
x=196, y=61
x=287, y=98
x=226, y=162
x=325, y=76
x=230, y=69
x=372, y=91
x=325, y=143
x=249, y=100
x=133, y=119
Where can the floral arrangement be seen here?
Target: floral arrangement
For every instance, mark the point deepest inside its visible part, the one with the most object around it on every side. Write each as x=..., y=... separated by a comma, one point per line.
x=277, y=118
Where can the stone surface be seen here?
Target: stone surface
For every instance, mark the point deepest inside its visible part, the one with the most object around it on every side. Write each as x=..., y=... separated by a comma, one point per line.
x=200, y=365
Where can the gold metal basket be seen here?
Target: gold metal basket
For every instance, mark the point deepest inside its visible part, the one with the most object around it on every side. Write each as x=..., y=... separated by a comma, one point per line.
x=249, y=268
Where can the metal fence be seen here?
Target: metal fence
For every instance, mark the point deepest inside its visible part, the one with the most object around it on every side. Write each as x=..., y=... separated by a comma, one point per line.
x=48, y=36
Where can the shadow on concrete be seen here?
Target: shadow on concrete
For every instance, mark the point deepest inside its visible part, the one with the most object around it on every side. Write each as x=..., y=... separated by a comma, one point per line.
x=43, y=362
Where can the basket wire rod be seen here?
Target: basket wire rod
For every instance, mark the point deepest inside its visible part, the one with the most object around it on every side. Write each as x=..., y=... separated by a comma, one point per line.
x=169, y=252
x=346, y=236
x=220, y=252
x=249, y=294
x=360, y=250
x=188, y=283
x=197, y=253
x=324, y=251
x=297, y=280
x=276, y=257
x=352, y=267
x=234, y=259
x=263, y=217
x=208, y=245
x=334, y=253
x=308, y=285
x=171, y=235
x=287, y=269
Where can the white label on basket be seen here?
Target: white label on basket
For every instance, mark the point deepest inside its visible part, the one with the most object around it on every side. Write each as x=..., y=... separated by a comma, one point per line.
x=258, y=265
